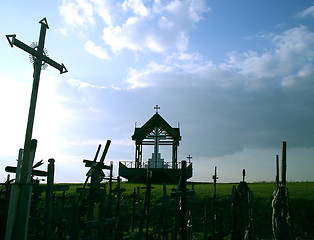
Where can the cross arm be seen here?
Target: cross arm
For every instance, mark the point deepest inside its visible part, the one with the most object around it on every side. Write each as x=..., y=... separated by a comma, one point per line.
x=34, y=172
x=89, y=163
x=13, y=41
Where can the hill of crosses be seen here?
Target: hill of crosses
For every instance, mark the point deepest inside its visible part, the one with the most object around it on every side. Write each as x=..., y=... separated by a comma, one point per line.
x=157, y=200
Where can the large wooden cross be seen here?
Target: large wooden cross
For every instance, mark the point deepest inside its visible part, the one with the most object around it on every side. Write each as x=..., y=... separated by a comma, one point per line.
x=19, y=223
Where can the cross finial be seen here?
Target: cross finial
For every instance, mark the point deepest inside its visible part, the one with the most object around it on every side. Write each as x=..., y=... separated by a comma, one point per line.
x=189, y=157
x=156, y=108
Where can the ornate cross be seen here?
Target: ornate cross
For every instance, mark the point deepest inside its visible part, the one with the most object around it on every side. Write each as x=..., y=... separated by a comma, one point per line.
x=20, y=224
x=156, y=135
x=156, y=108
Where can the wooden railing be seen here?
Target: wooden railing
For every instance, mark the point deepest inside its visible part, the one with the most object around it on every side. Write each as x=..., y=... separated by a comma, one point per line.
x=163, y=165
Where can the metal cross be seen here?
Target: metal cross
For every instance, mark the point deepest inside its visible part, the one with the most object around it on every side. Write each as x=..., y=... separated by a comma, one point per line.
x=156, y=108
x=20, y=224
x=189, y=157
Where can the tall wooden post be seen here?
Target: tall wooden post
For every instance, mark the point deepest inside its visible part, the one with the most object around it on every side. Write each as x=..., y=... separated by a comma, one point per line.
x=174, y=155
x=283, y=164
x=277, y=170
x=49, y=197
x=214, y=201
x=183, y=202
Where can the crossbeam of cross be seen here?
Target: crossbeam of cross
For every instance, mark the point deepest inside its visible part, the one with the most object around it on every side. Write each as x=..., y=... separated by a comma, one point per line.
x=39, y=54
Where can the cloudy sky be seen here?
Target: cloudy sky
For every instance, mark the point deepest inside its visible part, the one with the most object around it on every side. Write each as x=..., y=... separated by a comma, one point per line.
x=237, y=76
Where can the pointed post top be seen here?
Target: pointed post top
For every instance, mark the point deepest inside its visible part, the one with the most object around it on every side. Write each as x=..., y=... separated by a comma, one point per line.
x=44, y=22
x=11, y=39
x=63, y=69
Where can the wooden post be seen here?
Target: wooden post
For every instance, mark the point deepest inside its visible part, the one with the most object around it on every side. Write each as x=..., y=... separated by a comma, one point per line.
x=235, y=202
x=163, y=208
x=134, y=198
x=145, y=215
x=280, y=217
x=118, y=234
x=49, y=197
x=18, y=225
x=148, y=195
x=205, y=222
x=183, y=202
x=12, y=204
x=283, y=164
x=214, y=202
x=277, y=170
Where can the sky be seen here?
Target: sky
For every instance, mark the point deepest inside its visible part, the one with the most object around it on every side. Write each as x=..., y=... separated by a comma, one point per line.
x=237, y=77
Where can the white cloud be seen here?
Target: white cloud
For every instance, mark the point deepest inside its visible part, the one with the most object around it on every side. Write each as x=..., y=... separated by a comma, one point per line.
x=291, y=52
x=309, y=12
x=81, y=84
x=137, y=6
x=104, y=10
x=125, y=36
x=143, y=78
x=96, y=50
x=138, y=25
x=77, y=13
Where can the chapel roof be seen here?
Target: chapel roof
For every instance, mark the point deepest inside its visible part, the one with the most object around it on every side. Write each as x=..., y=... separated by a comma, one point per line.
x=156, y=121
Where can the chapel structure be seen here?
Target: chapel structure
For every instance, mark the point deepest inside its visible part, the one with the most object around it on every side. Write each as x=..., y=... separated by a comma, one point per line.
x=155, y=132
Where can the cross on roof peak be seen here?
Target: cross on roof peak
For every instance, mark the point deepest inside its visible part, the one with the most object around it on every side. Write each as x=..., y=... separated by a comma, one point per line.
x=156, y=108
x=189, y=157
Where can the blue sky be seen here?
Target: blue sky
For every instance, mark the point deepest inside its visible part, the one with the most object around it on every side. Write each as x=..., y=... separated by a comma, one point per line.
x=237, y=75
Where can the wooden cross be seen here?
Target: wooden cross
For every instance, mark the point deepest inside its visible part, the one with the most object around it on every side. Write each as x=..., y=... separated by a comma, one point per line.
x=146, y=209
x=182, y=193
x=22, y=202
x=164, y=210
x=215, y=177
x=156, y=108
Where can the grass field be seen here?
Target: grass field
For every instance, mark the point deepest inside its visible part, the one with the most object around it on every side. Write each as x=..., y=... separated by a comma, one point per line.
x=301, y=205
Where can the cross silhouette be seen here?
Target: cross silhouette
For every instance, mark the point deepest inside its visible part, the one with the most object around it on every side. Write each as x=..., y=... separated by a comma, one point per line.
x=156, y=108
x=19, y=225
x=189, y=157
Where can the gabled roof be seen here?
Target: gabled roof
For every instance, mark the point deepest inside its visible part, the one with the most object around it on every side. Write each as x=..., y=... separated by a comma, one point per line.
x=156, y=121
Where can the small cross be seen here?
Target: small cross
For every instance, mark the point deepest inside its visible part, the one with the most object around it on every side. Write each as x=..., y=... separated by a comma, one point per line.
x=156, y=108
x=189, y=157
x=215, y=177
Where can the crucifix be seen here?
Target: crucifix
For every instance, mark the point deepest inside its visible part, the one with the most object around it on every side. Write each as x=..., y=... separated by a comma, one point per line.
x=19, y=225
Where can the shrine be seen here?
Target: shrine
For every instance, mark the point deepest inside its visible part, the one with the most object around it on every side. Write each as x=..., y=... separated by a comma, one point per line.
x=155, y=132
